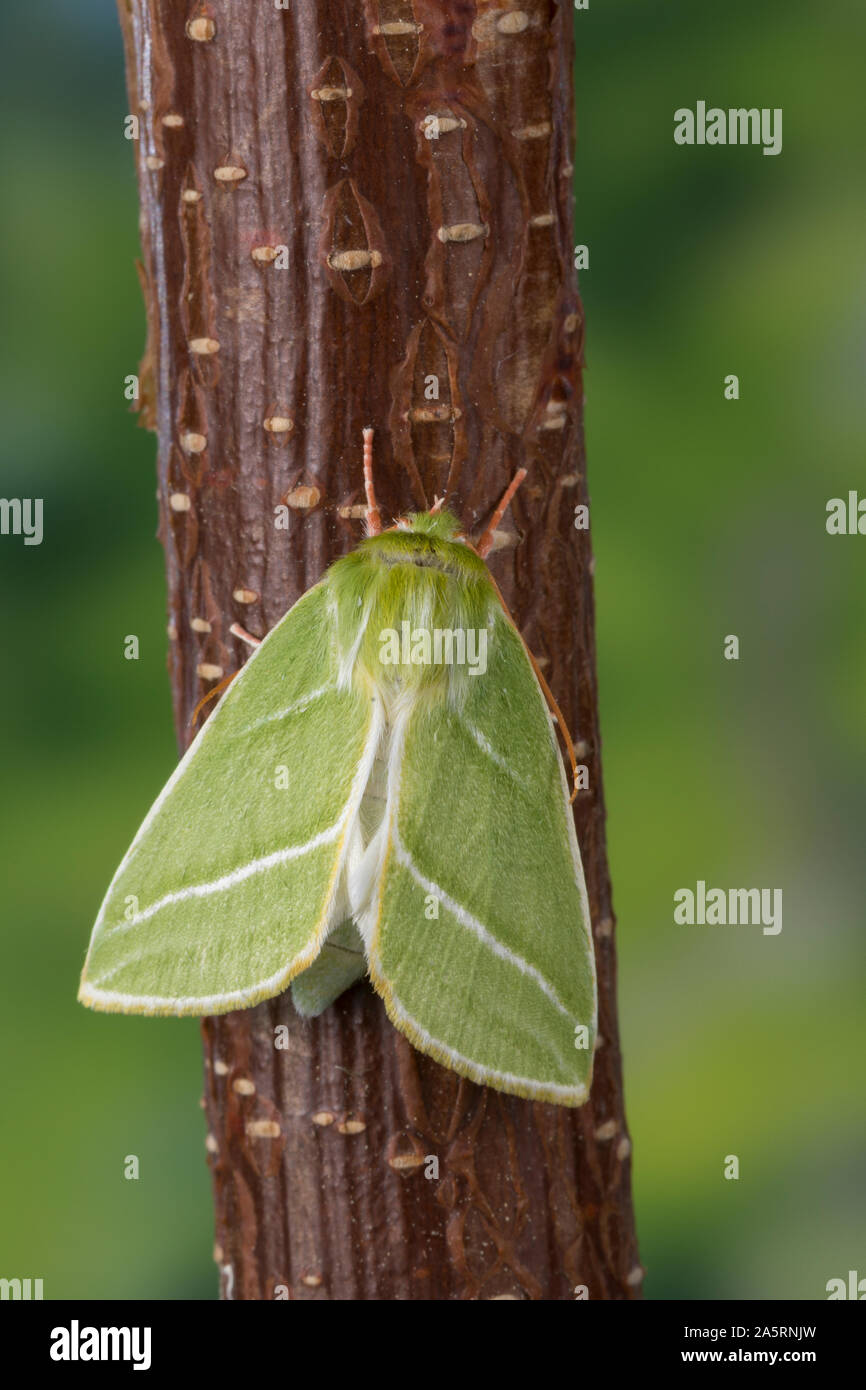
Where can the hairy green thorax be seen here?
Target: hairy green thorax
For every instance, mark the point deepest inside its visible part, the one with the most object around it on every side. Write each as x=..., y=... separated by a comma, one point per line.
x=414, y=609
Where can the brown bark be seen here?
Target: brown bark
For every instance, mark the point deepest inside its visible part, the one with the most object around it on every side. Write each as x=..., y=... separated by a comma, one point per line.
x=317, y=119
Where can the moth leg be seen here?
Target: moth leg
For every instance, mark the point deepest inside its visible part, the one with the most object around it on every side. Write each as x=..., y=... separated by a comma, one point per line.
x=486, y=541
x=483, y=548
x=548, y=694
x=237, y=631
x=205, y=699
x=560, y=721
x=251, y=641
x=374, y=518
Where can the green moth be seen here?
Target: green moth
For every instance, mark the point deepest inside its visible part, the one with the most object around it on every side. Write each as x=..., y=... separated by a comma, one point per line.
x=379, y=792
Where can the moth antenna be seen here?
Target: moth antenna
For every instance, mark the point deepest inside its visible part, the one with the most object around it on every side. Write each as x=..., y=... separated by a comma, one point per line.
x=486, y=541
x=438, y=504
x=374, y=518
x=217, y=690
x=237, y=631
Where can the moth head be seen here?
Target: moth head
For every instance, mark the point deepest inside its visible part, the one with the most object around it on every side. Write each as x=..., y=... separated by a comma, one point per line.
x=433, y=539
x=439, y=525
x=436, y=525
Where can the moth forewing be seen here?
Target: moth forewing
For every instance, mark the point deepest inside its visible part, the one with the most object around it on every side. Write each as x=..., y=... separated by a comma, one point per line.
x=498, y=982
x=230, y=887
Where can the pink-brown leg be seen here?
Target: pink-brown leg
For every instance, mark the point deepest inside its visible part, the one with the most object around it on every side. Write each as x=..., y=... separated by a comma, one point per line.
x=237, y=631
x=374, y=519
x=486, y=541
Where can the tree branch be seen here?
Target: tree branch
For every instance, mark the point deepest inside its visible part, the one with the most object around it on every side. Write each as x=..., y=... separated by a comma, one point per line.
x=351, y=215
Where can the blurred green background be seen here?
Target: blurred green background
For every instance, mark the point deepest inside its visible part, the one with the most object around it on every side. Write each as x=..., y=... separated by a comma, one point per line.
x=708, y=519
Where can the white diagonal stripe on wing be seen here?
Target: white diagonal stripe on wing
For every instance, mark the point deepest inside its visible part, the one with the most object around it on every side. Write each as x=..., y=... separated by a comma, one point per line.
x=296, y=708
x=487, y=747
x=226, y=881
x=466, y=919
